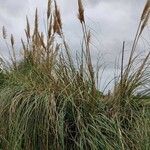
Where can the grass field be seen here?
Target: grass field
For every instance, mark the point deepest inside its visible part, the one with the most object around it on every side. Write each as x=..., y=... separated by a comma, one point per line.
x=50, y=101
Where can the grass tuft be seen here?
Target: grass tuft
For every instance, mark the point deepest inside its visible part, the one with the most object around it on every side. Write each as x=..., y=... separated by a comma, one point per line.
x=47, y=101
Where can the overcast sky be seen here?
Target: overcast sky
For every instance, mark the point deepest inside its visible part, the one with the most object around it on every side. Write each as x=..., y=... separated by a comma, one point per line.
x=111, y=22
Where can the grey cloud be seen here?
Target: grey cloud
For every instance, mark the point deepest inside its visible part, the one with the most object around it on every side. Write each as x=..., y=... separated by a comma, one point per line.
x=93, y=2
x=13, y=7
x=112, y=21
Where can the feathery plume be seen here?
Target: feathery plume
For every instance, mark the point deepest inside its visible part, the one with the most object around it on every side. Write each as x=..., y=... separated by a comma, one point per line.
x=57, y=25
x=28, y=27
x=12, y=40
x=58, y=16
x=50, y=27
x=4, y=32
x=146, y=10
x=80, y=11
x=48, y=9
x=145, y=21
x=36, y=22
x=23, y=44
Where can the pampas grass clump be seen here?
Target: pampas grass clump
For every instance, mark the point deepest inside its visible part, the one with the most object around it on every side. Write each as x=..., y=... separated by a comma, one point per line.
x=47, y=102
